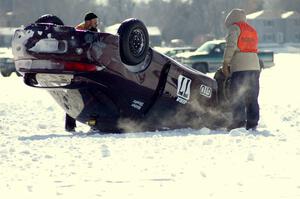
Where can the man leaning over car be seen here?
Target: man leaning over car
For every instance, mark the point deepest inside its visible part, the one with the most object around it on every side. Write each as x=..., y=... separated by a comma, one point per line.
x=90, y=23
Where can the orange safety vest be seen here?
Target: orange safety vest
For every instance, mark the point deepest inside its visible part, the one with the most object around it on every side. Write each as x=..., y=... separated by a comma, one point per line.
x=80, y=26
x=248, y=39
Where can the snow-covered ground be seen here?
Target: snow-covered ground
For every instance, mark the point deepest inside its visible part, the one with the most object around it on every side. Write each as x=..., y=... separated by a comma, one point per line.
x=38, y=159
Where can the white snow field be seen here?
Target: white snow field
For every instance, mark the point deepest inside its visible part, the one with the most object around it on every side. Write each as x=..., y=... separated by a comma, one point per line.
x=38, y=159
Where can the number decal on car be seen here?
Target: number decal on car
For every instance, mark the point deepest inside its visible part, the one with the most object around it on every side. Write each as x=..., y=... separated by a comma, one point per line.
x=205, y=91
x=137, y=104
x=183, y=89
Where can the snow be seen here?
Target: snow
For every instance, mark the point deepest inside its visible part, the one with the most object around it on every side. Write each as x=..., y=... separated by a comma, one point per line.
x=38, y=159
x=255, y=14
x=287, y=14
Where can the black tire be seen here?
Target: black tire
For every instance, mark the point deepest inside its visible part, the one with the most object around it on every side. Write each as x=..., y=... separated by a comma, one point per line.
x=5, y=72
x=261, y=64
x=133, y=41
x=226, y=89
x=202, y=67
x=223, y=90
x=48, y=18
x=18, y=74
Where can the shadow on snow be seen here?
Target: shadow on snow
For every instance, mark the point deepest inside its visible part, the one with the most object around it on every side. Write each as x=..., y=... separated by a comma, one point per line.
x=154, y=134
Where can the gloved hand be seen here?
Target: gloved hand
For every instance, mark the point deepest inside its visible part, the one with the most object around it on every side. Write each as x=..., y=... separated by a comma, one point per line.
x=225, y=70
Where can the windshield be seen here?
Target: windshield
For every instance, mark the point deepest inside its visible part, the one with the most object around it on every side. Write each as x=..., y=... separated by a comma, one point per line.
x=206, y=47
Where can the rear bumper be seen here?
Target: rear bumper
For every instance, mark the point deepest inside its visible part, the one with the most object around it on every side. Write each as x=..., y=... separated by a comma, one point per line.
x=51, y=81
x=58, y=81
x=52, y=74
x=44, y=66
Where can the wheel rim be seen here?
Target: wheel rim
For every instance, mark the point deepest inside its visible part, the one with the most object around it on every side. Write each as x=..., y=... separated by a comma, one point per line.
x=137, y=42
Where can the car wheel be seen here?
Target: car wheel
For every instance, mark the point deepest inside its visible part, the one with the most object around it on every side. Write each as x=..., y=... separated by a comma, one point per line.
x=5, y=72
x=133, y=41
x=202, y=67
x=48, y=18
x=261, y=64
x=226, y=89
x=18, y=74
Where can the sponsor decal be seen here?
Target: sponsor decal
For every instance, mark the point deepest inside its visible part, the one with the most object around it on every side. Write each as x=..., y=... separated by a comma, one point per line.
x=137, y=104
x=205, y=91
x=183, y=89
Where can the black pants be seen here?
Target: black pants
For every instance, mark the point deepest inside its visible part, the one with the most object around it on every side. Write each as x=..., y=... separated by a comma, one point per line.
x=70, y=123
x=244, y=91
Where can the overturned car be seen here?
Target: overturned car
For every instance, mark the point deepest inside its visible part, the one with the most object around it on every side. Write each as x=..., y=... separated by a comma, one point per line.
x=115, y=83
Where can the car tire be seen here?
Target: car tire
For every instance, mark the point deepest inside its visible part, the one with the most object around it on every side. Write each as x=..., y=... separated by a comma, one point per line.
x=202, y=67
x=261, y=64
x=48, y=18
x=133, y=41
x=226, y=89
x=5, y=72
x=18, y=74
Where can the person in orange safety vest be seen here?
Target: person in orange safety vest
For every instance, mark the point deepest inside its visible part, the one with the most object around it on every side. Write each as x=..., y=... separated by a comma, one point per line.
x=241, y=65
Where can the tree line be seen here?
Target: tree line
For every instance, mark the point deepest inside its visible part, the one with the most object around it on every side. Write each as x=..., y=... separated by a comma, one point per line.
x=183, y=19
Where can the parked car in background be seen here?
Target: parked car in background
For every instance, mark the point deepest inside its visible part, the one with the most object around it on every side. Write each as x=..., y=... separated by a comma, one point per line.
x=7, y=65
x=209, y=57
x=174, y=51
x=177, y=43
x=155, y=36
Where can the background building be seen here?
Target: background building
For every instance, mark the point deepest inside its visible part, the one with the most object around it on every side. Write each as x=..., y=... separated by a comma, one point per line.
x=276, y=27
x=292, y=26
x=6, y=7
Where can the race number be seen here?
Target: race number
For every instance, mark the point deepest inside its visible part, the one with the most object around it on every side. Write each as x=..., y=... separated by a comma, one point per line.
x=183, y=89
x=205, y=91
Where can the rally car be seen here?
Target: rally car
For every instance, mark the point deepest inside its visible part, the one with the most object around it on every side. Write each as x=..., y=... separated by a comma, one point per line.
x=115, y=83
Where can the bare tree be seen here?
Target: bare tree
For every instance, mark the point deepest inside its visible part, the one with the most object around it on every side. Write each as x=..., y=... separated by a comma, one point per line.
x=176, y=18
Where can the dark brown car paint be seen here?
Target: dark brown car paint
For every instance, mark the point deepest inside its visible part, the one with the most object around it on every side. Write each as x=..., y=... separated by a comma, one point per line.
x=108, y=94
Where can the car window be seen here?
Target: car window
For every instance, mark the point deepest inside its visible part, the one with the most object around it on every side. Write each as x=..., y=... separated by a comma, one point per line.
x=171, y=53
x=222, y=47
x=206, y=47
x=219, y=49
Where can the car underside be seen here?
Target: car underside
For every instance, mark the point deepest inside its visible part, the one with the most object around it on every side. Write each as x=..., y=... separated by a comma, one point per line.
x=115, y=83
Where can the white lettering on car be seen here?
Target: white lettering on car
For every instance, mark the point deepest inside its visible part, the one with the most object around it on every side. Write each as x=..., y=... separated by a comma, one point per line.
x=205, y=91
x=183, y=89
x=137, y=104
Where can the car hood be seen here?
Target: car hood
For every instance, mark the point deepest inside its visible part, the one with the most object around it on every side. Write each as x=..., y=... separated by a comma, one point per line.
x=190, y=54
